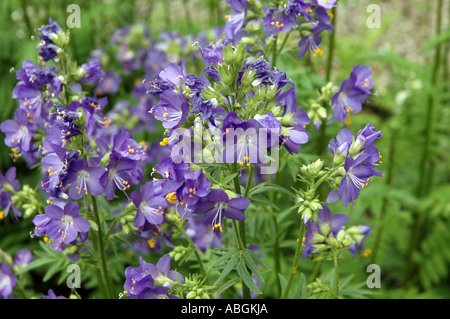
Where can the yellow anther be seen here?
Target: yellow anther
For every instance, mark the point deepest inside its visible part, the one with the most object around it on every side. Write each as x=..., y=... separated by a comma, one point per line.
x=151, y=243
x=164, y=142
x=172, y=197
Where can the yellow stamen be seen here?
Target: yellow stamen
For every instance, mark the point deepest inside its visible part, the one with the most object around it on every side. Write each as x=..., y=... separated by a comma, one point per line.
x=164, y=142
x=172, y=198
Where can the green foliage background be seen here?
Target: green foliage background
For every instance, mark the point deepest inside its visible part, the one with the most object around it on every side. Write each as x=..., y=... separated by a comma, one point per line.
x=409, y=212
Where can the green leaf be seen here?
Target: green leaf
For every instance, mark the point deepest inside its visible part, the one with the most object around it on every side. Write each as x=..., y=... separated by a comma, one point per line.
x=248, y=260
x=221, y=259
x=56, y=267
x=227, y=285
x=228, y=268
x=228, y=179
x=246, y=277
x=302, y=286
x=264, y=201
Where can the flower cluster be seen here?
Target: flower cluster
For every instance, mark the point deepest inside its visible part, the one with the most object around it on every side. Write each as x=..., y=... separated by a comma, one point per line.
x=359, y=157
x=311, y=18
x=150, y=281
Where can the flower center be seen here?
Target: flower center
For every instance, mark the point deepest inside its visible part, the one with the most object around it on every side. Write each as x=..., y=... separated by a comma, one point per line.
x=67, y=220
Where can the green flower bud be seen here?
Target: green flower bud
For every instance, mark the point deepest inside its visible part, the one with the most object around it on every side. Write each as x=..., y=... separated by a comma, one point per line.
x=333, y=242
x=191, y=295
x=70, y=250
x=338, y=158
x=324, y=228
x=341, y=235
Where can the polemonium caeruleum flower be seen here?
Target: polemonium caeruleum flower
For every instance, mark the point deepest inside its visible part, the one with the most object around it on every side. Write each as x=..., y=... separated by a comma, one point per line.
x=218, y=205
x=352, y=93
x=150, y=204
x=62, y=223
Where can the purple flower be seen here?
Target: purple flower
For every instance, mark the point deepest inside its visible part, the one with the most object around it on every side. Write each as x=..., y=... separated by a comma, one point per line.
x=47, y=48
x=110, y=83
x=326, y=4
x=19, y=131
x=149, y=281
x=162, y=274
x=171, y=109
x=353, y=92
x=62, y=224
x=23, y=257
x=137, y=279
x=30, y=99
x=51, y=295
x=201, y=106
x=93, y=72
x=34, y=76
x=296, y=8
x=217, y=205
x=342, y=143
x=121, y=174
x=7, y=281
x=57, y=165
x=195, y=187
x=213, y=53
x=294, y=121
x=200, y=233
x=150, y=205
x=333, y=223
x=84, y=180
x=276, y=21
x=357, y=176
x=241, y=140
x=235, y=21
x=124, y=146
x=359, y=234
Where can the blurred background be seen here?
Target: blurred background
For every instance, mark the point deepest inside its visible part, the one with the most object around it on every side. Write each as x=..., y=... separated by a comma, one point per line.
x=409, y=209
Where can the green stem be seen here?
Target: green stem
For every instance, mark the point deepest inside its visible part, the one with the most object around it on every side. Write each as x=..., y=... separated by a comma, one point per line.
x=284, y=42
x=301, y=233
x=316, y=270
x=101, y=251
x=274, y=52
x=336, y=275
x=239, y=231
x=195, y=249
